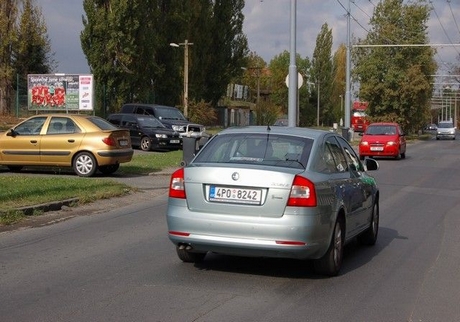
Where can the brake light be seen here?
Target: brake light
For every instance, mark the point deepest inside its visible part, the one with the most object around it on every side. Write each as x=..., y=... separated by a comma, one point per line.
x=109, y=141
x=176, y=184
x=303, y=193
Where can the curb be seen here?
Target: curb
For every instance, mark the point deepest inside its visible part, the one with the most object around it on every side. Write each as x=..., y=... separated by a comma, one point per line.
x=45, y=207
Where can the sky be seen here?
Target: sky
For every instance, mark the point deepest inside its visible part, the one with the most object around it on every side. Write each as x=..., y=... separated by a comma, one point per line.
x=267, y=25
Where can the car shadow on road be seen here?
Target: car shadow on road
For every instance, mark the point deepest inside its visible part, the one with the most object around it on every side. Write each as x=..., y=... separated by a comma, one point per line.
x=355, y=256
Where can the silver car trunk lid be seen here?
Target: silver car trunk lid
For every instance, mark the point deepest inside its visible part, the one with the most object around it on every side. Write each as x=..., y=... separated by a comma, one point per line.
x=256, y=191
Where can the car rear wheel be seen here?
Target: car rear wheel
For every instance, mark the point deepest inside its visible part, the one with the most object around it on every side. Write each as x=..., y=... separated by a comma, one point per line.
x=369, y=236
x=187, y=256
x=146, y=144
x=331, y=262
x=84, y=164
x=109, y=169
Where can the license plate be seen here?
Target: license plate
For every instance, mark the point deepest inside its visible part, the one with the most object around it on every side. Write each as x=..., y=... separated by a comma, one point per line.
x=174, y=141
x=376, y=148
x=123, y=142
x=235, y=195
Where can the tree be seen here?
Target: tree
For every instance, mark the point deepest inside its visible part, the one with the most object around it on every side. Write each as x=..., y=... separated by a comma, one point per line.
x=321, y=71
x=24, y=47
x=279, y=69
x=338, y=83
x=8, y=38
x=396, y=80
x=127, y=46
x=120, y=42
x=33, y=53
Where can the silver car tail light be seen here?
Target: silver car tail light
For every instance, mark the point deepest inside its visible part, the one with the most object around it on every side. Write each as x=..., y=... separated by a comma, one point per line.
x=176, y=185
x=303, y=193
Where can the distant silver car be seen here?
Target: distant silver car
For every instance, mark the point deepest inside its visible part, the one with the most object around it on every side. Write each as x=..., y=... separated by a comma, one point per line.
x=276, y=191
x=445, y=130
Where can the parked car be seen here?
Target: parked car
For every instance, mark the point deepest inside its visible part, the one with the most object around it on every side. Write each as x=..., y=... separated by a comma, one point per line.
x=147, y=132
x=278, y=191
x=383, y=140
x=445, y=130
x=430, y=128
x=85, y=142
x=281, y=122
x=170, y=116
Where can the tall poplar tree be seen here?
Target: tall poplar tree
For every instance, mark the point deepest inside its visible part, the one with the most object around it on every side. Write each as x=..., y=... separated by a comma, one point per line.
x=8, y=39
x=321, y=74
x=339, y=83
x=396, y=79
x=33, y=50
x=24, y=48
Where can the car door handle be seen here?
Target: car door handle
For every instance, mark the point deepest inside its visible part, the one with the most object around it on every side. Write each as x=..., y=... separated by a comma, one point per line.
x=71, y=141
x=34, y=141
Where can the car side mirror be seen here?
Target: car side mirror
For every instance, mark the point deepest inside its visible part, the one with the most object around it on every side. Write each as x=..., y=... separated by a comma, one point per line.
x=12, y=133
x=371, y=164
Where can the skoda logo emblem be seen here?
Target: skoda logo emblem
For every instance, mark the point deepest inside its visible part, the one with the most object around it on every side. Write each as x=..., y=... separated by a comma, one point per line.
x=235, y=176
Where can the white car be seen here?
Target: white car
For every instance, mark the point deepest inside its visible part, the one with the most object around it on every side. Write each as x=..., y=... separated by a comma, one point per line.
x=446, y=130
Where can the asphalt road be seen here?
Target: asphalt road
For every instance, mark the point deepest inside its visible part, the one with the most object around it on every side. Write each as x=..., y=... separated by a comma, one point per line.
x=119, y=265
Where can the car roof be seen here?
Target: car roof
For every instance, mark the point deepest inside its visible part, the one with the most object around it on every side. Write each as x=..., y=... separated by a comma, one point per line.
x=151, y=105
x=385, y=123
x=286, y=130
x=64, y=115
x=134, y=115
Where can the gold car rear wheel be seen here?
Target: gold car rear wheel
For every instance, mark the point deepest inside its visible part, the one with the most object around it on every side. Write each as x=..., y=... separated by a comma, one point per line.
x=85, y=164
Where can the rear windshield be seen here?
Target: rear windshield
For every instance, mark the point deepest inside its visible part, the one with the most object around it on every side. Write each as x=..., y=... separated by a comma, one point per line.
x=101, y=123
x=261, y=149
x=381, y=130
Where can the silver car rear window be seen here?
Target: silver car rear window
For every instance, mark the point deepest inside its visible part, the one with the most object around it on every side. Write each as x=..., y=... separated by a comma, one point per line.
x=262, y=149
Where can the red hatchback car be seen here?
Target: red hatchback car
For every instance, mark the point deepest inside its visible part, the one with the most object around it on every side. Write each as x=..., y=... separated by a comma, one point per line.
x=383, y=140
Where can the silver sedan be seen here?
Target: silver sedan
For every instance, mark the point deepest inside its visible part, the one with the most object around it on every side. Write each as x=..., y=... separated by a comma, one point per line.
x=280, y=192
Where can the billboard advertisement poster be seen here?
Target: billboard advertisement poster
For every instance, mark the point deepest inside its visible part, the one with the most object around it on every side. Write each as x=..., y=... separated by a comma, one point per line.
x=57, y=92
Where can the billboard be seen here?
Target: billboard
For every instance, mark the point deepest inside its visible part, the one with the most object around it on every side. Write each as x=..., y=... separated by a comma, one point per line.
x=58, y=92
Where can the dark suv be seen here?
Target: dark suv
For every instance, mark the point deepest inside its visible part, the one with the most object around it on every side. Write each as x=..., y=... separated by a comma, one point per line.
x=170, y=116
x=147, y=132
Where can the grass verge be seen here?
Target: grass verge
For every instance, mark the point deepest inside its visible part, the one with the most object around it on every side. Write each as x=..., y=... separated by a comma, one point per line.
x=21, y=190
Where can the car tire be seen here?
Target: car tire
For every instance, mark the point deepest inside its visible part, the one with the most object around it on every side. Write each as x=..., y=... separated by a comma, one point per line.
x=403, y=155
x=331, y=262
x=84, y=164
x=189, y=257
x=109, y=169
x=15, y=168
x=146, y=144
x=369, y=236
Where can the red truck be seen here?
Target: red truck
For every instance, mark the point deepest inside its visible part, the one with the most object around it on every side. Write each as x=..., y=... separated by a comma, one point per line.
x=359, y=121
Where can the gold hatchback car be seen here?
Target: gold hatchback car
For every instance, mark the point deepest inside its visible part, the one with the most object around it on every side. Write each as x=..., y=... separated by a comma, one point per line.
x=86, y=143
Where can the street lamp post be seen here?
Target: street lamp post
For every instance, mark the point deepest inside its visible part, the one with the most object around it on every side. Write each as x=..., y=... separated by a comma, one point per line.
x=185, y=44
x=317, y=108
x=341, y=110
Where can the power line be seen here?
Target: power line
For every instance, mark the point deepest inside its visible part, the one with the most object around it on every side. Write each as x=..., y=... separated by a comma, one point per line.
x=453, y=16
x=442, y=26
